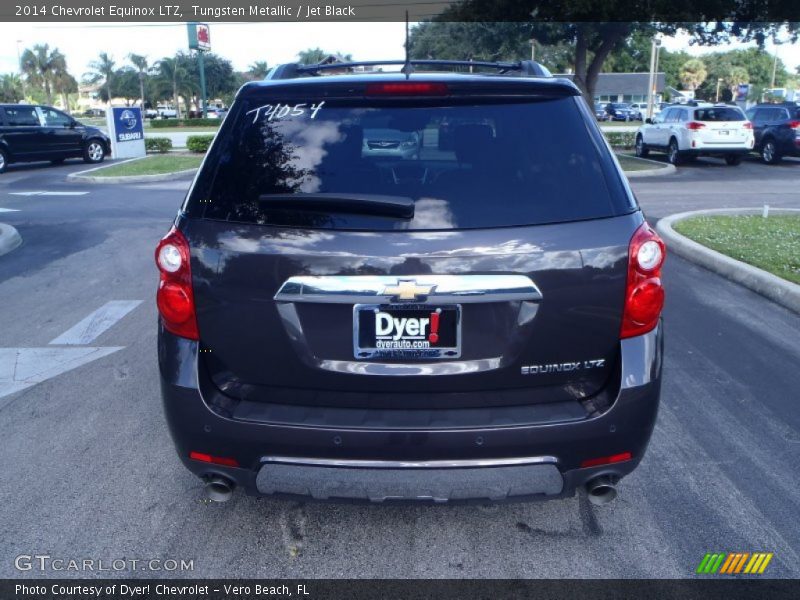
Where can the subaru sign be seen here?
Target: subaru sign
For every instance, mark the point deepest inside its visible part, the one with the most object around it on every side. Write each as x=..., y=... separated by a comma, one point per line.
x=125, y=127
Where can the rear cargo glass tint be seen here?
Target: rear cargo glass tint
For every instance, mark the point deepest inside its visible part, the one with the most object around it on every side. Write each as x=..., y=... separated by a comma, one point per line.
x=719, y=114
x=464, y=166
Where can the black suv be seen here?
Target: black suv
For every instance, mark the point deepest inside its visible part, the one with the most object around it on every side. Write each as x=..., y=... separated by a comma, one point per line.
x=478, y=319
x=31, y=133
x=777, y=130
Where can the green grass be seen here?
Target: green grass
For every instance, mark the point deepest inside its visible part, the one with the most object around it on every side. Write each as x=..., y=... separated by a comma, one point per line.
x=772, y=244
x=152, y=165
x=631, y=163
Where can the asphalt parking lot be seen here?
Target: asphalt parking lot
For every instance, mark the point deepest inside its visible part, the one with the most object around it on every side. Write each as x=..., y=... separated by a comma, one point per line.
x=90, y=471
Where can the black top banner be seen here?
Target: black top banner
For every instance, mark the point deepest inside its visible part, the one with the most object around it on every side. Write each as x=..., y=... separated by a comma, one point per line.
x=395, y=10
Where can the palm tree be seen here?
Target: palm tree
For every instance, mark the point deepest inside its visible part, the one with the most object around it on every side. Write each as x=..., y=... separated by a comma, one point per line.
x=734, y=78
x=171, y=72
x=10, y=88
x=693, y=73
x=258, y=70
x=103, y=69
x=65, y=84
x=41, y=66
x=140, y=62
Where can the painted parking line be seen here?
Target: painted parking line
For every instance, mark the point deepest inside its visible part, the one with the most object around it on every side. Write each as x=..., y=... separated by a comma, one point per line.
x=21, y=368
x=90, y=328
x=45, y=193
x=2, y=210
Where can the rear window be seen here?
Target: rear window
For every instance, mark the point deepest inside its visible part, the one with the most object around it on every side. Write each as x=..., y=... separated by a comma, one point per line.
x=464, y=165
x=719, y=113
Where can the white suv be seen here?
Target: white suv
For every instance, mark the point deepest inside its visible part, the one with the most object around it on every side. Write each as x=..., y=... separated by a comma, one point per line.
x=703, y=130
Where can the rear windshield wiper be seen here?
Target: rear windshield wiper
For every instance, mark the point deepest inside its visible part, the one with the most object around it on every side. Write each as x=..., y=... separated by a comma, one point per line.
x=364, y=204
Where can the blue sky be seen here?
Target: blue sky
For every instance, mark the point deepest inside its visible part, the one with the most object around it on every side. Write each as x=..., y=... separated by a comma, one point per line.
x=241, y=43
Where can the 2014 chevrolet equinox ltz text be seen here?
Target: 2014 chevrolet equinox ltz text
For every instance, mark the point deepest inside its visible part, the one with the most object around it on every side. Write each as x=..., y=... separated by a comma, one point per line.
x=476, y=319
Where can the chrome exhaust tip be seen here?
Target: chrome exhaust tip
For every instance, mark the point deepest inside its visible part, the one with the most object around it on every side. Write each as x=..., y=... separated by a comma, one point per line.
x=601, y=490
x=218, y=489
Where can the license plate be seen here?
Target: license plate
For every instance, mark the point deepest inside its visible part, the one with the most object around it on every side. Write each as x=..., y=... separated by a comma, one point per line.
x=407, y=331
x=724, y=132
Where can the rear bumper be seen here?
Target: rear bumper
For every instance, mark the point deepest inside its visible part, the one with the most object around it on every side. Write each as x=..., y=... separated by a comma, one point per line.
x=324, y=461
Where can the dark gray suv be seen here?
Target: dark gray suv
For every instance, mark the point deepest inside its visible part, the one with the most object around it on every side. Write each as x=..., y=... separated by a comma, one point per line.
x=478, y=319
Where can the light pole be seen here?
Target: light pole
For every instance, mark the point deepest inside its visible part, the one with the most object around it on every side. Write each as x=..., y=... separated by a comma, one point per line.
x=533, y=49
x=651, y=84
x=19, y=67
x=719, y=82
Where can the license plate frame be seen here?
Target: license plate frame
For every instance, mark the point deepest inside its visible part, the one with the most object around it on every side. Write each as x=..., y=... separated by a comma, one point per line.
x=366, y=341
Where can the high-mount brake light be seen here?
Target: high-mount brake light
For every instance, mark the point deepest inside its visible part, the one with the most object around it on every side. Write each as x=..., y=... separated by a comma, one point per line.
x=175, y=299
x=407, y=88
x=644, y=293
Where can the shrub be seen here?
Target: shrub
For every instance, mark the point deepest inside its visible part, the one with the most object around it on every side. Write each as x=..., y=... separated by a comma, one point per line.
x=163, y=123
x=199, y=143
x=157, y=145
x=621, y=139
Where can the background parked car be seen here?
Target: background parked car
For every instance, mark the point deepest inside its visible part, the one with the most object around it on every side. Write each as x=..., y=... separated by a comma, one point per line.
x=30, y=133
x=94, y=112
x=391, y=143
x=689, y=131
x=777, y=130
x=637, y=111
x=167, y=112
x=618, y=111
x=600, y=112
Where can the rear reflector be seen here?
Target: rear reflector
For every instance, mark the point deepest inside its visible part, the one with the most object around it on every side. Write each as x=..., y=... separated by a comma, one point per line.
x=216, y=460
x=606, y=460
x=407, y=88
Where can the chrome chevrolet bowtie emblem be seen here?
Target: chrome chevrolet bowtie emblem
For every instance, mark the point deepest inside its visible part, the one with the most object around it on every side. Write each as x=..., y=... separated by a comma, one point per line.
x=407, y=290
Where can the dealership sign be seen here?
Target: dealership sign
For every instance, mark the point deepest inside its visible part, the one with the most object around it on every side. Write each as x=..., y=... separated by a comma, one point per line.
x=126, y=130
x=199, y=37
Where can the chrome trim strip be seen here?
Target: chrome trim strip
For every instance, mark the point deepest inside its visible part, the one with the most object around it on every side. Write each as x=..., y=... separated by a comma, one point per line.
x=410, y=464
x=440, y=289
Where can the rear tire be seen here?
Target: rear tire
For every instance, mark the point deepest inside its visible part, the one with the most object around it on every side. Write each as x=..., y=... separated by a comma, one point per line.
x=94, y=152
x=3, y=160
x=769, y=152
x=733, y=159
x=674, y=154
x=641, y=148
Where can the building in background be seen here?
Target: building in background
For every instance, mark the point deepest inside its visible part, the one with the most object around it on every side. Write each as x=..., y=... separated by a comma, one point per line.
x=625, y=87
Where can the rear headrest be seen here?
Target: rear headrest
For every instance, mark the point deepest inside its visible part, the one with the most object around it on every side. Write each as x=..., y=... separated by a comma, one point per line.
x=471, y=140
x=349, y=147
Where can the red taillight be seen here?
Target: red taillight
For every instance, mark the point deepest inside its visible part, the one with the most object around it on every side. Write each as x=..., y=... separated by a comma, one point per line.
x=747, y=125
x=606, y=460
x=406, y=88
x=216, y=460
x=175, y=298
x=644, y=294
x=694, y=125
x=794, y=124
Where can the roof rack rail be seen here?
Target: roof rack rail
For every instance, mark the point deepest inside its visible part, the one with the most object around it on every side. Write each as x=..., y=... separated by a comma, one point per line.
x=525, y=68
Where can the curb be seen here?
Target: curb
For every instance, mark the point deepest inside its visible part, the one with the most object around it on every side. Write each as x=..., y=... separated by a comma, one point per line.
x=82, y=177
x=663, y=168
x=10, y=239
x=771, y=286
